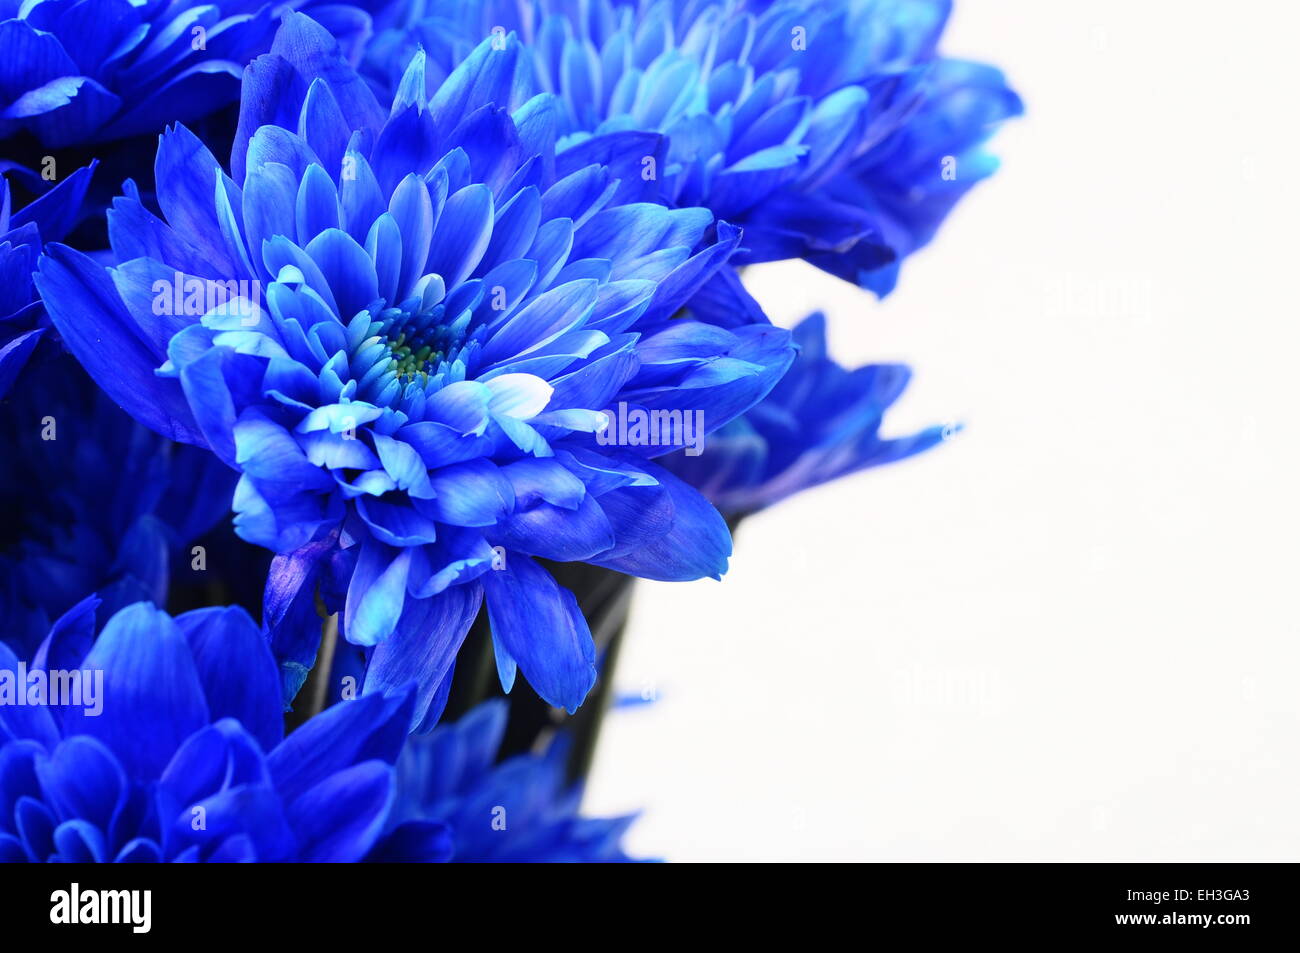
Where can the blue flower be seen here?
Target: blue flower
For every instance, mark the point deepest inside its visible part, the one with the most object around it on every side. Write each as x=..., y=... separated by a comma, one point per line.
x=429, y=310
x=23, y=323
x=911, y=181
x=821, y=422
x=77, y=72
x=96, y=502
x=522, y=810
x=171, y=749
x=831, y=131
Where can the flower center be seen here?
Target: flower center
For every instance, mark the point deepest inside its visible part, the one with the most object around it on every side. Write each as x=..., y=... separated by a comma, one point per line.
x=407, y=350
x=418, y=340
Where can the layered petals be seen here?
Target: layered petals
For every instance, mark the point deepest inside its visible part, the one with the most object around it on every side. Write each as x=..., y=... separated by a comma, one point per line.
x=171, y=749
x=94, y=71
x=833, y=132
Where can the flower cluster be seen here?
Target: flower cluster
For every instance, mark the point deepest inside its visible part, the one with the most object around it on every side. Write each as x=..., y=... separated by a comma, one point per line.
x=833, y=132
x=432, y=312
x=200, y=771
x=185, y=760
x=418, y=358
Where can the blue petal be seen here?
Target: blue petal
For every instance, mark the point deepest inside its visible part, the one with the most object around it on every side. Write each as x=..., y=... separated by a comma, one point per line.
x=347, y=268
x=474, y=493
x=415, y=842
x=289, y=611
x=376, y=594
x=697, y=543
x=366, y=728
x=82, y=779
x=486, y=76
x=235, y=667
x=540, y=625
x=341, y=818
x=23, y=721
x=462, y=234
x=70, y=637
x=424, y=646
x=153, y=699
x=186, y=176
x=558, y=534
x=84, y=306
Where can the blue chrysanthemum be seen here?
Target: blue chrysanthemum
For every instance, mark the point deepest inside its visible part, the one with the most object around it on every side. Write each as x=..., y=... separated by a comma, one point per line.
x=93, y=502
x=77, y=72
x=830, y=131
x=435, y=309
x=820, y=423
x=522, y=810
x=172, y=750
x=23, y=322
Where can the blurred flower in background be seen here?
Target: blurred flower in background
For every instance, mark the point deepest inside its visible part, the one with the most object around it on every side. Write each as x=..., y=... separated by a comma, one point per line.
x=820, y=423
x=96, y=503
x=521, y=810
x=172, y=750
x=23, y=321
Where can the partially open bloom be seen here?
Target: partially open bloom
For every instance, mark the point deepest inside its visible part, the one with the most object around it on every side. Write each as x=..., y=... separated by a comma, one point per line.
x=428, y=311
x=820, y=423
x=162, y=740
x=77, y=72
x=831, y=131
x=522, y=810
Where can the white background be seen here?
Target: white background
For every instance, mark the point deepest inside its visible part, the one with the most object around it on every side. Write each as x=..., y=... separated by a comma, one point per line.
x=1071, y=633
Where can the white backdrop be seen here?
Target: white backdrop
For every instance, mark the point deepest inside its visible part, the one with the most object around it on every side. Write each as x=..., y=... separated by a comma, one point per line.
x=1070, y=633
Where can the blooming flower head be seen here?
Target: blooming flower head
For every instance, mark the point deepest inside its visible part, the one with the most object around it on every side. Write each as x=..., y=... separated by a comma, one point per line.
x=171, y=749
x=428, y=311
x=522, y=810
x=788, y=118
x=77, y=72
x=820, y=423
x=23, y=323
x=94, y=502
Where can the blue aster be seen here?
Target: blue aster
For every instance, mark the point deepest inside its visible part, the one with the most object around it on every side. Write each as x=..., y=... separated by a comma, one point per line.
x=831, y=131
x=94, y=502
x=476, y=810
x=174, y=750
x=78, y=72
x=820, y=423
x=23, y=323
x=437, y=308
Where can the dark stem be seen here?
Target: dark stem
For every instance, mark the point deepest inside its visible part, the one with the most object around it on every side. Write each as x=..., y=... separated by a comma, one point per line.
x=588, y=721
